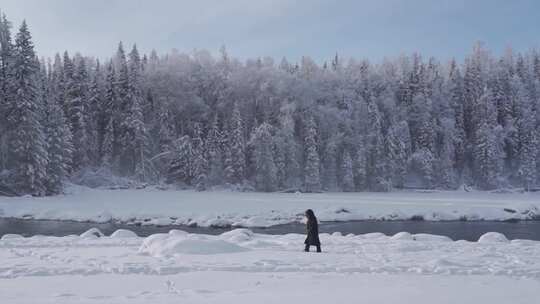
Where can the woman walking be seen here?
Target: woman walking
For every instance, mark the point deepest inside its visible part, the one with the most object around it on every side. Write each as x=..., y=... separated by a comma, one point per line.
x=312, y=231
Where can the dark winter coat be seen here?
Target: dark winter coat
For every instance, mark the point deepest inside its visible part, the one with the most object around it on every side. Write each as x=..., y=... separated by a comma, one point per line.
x=312, y=238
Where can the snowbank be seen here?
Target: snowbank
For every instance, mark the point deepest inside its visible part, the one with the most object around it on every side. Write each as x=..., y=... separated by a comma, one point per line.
x=244, y=209
x=245, y=251
x=163, y=245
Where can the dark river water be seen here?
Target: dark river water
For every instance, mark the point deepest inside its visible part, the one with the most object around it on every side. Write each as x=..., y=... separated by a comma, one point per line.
x=458, y=230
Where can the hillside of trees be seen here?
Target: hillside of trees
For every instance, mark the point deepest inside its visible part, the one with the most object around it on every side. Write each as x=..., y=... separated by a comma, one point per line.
x=202, y=121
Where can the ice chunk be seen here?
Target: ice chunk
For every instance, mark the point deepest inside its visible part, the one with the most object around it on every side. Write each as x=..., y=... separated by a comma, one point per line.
x=402, y=236
x=177, y=232
x=493, y=237
x=431, y=238
x=123, y=233
x=238, y=235
x=11, y=236
x=92, y=233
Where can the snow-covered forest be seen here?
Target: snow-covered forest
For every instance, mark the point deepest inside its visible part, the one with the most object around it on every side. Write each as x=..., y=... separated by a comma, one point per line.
x=202, y=121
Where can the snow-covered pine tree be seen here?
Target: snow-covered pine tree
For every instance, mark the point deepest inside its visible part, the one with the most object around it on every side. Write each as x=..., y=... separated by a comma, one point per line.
x=537, y=128
x=27, y=140
x=180, y=169
x=122, y=111
x=446, y=178
x=528, y=137
x=454, y=87
x=108, y=122
x=265, y=169
x=137, y=145
x=6, y=54
x=473, y=88
x=166, y=131
x=423, y=138
x=214, y=150
x=42, y=84
x=57, y=82
x=92, y=115
x=375, y=155
x=360, y=167
x=200, y=162
x=288, y=152
x=280, y=161
x=228, y=173
x=398, y=145
x=60, y=148
x=76, y=77
x=444, y=122
x=488, y=151
x=237, y=163
x=6, y=59
x=347, y=182
x=329, y=177
x=312, y=179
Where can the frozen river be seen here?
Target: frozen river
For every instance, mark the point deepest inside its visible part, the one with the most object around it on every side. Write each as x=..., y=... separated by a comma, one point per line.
x=456, y=230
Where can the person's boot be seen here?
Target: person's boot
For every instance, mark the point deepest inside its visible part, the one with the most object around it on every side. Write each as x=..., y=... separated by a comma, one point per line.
x=307, y=248
x=319, y=249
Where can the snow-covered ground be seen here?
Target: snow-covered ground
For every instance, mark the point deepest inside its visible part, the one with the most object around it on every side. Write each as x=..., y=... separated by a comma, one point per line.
x=242, y=267
x=222, y=208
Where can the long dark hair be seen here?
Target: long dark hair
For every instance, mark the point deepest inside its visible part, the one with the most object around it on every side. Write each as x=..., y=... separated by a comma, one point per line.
x=311, y=215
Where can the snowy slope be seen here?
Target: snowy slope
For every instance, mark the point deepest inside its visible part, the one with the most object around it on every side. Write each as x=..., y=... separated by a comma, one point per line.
x=240, y=267
x=223, y=208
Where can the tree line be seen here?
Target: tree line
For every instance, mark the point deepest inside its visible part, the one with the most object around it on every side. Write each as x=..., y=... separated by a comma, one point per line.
x=201, y=121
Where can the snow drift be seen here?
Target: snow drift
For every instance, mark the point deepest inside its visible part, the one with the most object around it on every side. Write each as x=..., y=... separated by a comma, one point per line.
x=163, y=245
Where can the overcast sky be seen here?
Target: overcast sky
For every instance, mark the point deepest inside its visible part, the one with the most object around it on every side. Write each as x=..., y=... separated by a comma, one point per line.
x=277, y=28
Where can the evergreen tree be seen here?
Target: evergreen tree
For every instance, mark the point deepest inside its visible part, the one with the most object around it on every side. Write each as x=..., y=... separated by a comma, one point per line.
x=237, y=160
x=166, y=131
x=60, y=148
x=92, y=116
x=214, y=150
x=180, y=168
x=398, y=145
x=528, y=136
x=360, y=168
x=123, y=122
x=312, y=180
x=330, y=168
x=488, y=152
x=445, y=171
x=375, y=155
x=6, y=88
x=76, y=77
x=265, y=168
x=135, y=128
x=347, y=183
x=422, y=133
x=27, y=142
x=108, y=121
x=457, y=101
x=200, y=162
